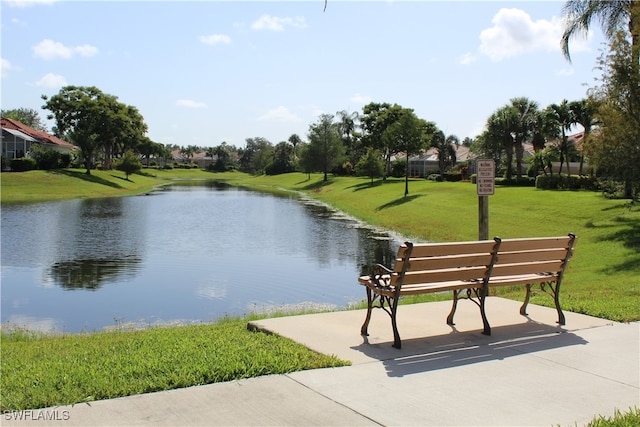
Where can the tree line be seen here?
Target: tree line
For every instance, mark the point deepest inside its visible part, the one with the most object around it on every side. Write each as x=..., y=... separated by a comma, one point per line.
x=366, y=143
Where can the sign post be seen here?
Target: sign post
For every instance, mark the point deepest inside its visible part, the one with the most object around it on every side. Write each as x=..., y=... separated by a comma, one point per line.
x=485, y=182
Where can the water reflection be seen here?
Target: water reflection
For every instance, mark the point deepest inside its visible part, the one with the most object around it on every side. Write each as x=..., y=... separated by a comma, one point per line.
x=189, y=253
x=91, y=273
x=99, y=241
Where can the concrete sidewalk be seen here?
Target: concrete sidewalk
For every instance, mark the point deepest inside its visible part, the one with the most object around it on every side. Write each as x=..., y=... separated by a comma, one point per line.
x=529, y=372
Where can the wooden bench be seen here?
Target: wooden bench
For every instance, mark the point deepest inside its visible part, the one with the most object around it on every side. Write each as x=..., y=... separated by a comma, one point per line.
x=469, y=270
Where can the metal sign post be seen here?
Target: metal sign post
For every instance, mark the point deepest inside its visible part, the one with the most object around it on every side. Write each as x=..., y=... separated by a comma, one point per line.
x=485, y=182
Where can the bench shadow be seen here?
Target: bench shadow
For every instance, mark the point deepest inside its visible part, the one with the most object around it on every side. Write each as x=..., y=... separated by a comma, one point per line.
x=83, y=176
x=398, y=202
x=470, y=347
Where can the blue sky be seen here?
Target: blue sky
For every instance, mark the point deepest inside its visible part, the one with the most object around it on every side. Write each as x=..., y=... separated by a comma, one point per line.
x=204, y=72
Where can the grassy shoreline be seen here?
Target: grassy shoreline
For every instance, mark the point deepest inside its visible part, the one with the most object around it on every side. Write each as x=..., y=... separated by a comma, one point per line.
x=39, y=371
x=603, y=278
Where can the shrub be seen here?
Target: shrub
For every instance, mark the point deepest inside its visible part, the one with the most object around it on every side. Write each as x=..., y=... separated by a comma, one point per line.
x=453, y=176
x=566, y=182
x=22, y=164
x=523, y=181
x=398, y=169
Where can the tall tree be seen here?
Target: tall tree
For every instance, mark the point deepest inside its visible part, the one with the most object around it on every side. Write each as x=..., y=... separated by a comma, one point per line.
x=256, y=156
x=294, y=140
x=524, y=125
x=376, y=118
x=501, y=127
x=613, y=15
x=96, y=120
x=615, y=148
x=409, y=134
x=565, y=119
x=583, y=112
x=347, y=125
x=325, y=149
x=282, y=161
x=370, y=164
x=445, y=145
x=545, y=128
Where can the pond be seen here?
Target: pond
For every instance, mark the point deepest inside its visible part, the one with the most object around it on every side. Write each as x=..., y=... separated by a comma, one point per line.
x=186, y=254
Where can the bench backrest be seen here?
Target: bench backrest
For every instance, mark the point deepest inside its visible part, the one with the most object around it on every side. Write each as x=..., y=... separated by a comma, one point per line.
x=541, y=255
x=444, y=262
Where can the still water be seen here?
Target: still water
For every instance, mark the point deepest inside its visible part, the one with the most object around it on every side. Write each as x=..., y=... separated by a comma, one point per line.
x=185, y=254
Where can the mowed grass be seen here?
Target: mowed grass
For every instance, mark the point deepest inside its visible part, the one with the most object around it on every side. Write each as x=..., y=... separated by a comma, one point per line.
x=603, y=280
x=41, y=371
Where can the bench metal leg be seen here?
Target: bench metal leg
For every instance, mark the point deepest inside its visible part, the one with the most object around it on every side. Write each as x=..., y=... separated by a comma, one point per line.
x=365, y=325
x=556, y=299
x=527, y=297
x=453, y=308
x=485, y=321
x=396, y=335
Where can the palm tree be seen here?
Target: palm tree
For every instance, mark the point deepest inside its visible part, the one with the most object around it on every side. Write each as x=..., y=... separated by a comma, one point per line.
x=524, y=124
x=446, y=150
x=347, y=123
x=501, y=126
x=613, y=16
x=545, y=128
x=583, y=114
x=294, y=140
x=565, y=119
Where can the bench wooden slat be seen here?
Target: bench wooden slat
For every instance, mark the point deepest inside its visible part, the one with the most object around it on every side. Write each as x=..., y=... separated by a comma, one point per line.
x=446, y=275
x=458, y=248
x=527, y=268
x=512, y=245
x=530, y=256
x=433, y=263
x=522, y=279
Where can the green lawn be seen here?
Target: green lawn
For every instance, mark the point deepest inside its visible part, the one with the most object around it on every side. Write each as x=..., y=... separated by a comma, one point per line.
x=603, y=280
x=40, y=371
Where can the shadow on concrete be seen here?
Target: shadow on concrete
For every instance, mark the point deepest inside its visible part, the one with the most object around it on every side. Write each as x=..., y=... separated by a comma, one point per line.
x=469, y=347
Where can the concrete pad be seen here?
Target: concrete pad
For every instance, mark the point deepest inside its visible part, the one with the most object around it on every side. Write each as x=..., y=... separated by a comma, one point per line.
x=530, y=371
x=266, y=401
x=527, y=373
x=423, y=328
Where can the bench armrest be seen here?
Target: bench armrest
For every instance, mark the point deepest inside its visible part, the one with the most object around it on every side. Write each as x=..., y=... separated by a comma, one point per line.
x=381, y=275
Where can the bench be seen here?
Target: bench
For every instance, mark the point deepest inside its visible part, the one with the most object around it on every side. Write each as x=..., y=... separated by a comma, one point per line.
x=469, y=270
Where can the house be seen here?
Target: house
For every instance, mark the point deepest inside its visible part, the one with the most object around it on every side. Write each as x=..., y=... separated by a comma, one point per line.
x=17, y=139
x=427, y=162
x=201, y=158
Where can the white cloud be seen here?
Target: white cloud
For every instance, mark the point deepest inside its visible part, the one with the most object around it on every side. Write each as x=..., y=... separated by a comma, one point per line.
x=188, y=103
x=275, y=23
x=51, y=81
x=360, y=99
x=86, y=50
x=49, y=49
x=566, y=72
x=468, y=58
x=27, y=3
x=515, y=33
x=280, y=114
x=5, y=66
x=214, y=39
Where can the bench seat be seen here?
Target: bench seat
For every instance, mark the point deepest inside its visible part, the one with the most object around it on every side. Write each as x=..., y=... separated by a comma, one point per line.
x=469, y=270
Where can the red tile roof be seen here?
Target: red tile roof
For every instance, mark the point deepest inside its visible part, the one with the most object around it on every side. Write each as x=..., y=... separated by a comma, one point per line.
x=37, y=134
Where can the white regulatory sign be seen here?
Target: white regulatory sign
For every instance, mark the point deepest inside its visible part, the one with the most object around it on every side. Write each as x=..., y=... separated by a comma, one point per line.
x=486, y=177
